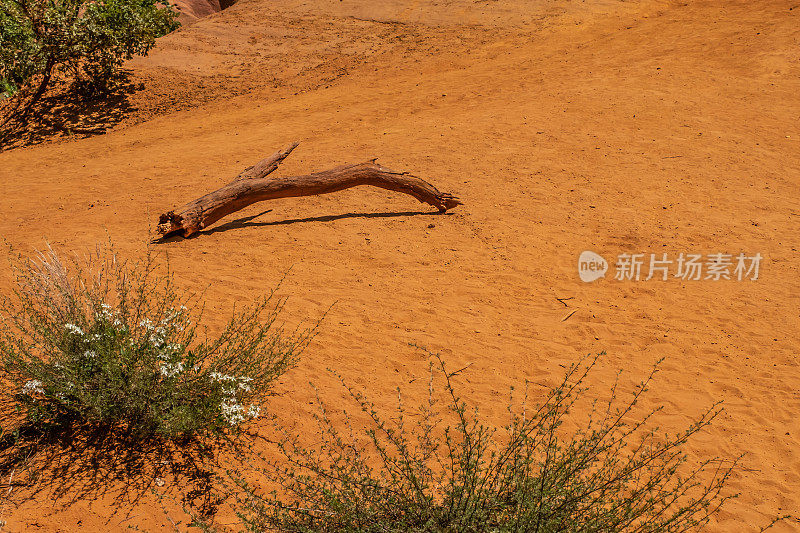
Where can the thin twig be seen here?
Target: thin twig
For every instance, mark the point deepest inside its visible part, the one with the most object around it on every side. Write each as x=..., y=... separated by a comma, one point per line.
x=569, y=315
x=460, y=370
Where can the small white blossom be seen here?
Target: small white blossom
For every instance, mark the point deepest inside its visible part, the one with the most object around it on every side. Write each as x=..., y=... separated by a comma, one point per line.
x=254, y=411
x=107, y=311
x=90, y=354
x=216, y=376
x=32, y=387
x=171, y=316
x=72, y=328
x=169, y=370
x=232, y=412
x=244, y=383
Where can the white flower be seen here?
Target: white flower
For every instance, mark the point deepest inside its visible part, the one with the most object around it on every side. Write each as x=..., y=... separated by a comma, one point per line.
x=32, y=387
x=242, y=382
x=90, y=354
x=107, y=311
x=171, y=316
x=168, y=370
x=216, y=376
x=232, y=412
x=72, y=328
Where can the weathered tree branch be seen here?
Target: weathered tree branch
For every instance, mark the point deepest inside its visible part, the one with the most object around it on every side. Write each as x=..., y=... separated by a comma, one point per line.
x=253, y=186
x=267, y=165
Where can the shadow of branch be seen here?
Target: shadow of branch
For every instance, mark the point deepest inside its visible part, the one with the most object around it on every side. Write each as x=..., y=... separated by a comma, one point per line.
x=247, y=222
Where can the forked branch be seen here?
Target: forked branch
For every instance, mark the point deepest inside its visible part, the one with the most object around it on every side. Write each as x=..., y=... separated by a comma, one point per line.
x=253, y=185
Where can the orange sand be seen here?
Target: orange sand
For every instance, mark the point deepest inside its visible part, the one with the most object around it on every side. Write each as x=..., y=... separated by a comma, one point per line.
x=646, y=126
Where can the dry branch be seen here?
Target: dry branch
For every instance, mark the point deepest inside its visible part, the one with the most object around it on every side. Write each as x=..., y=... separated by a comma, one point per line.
x=253, y=186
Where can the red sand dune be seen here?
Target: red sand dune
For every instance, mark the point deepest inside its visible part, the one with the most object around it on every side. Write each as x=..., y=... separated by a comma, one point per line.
x=191, y=10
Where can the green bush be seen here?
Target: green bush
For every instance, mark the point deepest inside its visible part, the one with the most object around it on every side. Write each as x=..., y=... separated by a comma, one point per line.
x=85, y=41
x=115, y=345
x=417, y=472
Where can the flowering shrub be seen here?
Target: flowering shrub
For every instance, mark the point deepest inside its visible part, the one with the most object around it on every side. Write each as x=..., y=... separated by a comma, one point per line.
x=438, y=468
x=117, y=345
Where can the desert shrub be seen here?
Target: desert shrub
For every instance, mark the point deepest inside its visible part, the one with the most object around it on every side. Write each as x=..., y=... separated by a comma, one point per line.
x=86, y=41
x=418, y=472
x=112, y=344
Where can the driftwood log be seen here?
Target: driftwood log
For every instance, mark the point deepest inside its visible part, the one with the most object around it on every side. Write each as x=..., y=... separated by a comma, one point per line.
x=253, y=186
